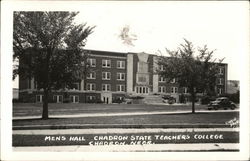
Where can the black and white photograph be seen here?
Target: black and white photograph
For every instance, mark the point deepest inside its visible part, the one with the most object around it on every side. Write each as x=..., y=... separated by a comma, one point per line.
x=134, y=80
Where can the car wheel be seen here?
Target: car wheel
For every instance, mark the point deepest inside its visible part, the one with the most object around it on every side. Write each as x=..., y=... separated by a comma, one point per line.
x=216, y=107
x=225, y=108
x=233, y=107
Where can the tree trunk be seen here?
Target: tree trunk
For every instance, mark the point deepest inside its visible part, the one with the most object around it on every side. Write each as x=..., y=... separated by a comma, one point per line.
x=193, y=102
x=45, y=114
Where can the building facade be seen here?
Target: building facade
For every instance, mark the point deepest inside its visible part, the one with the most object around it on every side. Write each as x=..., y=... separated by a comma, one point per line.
x=112, y=77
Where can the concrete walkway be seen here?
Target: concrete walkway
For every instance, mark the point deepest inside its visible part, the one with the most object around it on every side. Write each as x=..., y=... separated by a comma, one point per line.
x=117, y=131
x=135, y=148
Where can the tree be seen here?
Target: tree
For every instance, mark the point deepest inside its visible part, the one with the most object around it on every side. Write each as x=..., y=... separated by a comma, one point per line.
x=49, y=48
x=197, y=73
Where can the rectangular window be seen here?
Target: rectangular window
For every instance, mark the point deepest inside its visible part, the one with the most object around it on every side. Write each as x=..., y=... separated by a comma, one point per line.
x=221, y=70
x=219, y=91
x=220, y=81
x=106, y=75
x=91, y=75
x=90, y=98
x=92, y=62
x=121, y=76
x=162, y=89
x=142, y=67
x=174, y=89
x=120, y=64
x=142, y=79
x=74, y=98
x=161, y=68
x=162, y=79
x=105, y=87
x=39, y=98
x=58, y=98
x=106, y=63
x=120, y=88
x=185, y=90
x=90, y=86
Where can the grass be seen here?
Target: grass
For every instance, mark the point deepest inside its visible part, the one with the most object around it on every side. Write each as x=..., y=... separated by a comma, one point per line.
x=158, y=119
x=33, y=109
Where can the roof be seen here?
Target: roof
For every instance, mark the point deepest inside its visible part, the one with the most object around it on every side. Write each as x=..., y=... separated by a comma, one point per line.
x=107, y=53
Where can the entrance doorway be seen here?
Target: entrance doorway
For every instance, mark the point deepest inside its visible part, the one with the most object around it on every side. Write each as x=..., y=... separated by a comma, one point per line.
x=142, y=89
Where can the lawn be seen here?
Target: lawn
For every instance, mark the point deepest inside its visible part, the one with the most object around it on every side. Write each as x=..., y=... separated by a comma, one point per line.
x=201, y=118
x=35, y=109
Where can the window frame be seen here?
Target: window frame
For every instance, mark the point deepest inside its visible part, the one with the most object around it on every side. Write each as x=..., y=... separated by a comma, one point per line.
x=106, y=89
x=119, y=88
x=106, y=63
x=91, y=74
x=106, y=76
x=119, y=76
x=120, y=62
x=92, y=86
x=90, y=61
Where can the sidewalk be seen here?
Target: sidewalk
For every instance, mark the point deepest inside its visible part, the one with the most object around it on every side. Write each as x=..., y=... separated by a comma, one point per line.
x=117, y=131
x=135, y=148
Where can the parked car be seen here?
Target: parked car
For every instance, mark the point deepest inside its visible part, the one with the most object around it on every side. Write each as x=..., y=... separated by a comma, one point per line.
x=221, y=102
x=169, y=99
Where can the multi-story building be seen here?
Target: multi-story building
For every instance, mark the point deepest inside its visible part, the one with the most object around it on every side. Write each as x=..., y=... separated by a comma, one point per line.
x=114, y=75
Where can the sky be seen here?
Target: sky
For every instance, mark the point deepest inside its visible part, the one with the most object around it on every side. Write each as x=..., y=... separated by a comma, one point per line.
x=222, y=26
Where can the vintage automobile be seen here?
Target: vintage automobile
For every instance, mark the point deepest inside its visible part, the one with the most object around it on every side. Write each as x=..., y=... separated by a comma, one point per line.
x=221, y=102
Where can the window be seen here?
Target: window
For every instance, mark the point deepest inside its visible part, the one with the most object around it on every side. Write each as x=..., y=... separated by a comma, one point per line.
x=39, y=98
x=173, y=80
x=105, y=87
x=58, y=98
x=91, y=75
x=142, y=67
x=221, y=70
x=120, y=76
x=74, y=98
x=220, y=81
x=162, y=89
x=161, y=68
x=106, y=63
x=174, y=89
x=219, y=91
x=120, y=88
x=90, y=86
x=162, y=79
x=106, y=75
x=90, y=98
x=120, y=64
x=92, y=62
x=142, y=78
x=185, y=90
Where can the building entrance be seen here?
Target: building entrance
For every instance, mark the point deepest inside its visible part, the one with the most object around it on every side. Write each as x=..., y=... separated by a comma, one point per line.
x=142, y=89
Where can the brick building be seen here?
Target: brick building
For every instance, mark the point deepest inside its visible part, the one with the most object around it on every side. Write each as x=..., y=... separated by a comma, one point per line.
x=113, y=76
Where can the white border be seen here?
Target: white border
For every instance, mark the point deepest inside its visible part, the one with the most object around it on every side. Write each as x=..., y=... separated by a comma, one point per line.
x=7, y=8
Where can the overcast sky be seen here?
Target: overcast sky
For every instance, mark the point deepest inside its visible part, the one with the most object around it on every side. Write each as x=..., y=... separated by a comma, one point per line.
x=158, y=25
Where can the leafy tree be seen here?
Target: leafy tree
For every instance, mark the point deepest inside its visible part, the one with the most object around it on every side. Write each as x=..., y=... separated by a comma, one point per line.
x=49, y=48
x=196, y=72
